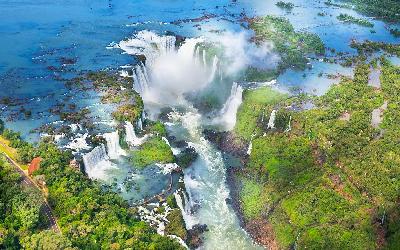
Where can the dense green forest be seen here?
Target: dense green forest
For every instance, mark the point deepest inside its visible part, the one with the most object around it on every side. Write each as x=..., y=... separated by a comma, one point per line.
x=325, y=177
x=21, y=220
x=89, y=216
x=382, y=9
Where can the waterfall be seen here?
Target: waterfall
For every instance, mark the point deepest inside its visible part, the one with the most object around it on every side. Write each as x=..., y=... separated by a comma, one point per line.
x=213, y=69
x=131, y=137
x=166, y=141
x=148, y=44
x=143, y=116
x=271, y=122
x=124, y=73
x=250, y=148
x=188, y=50
x=97, y=162
x=140, y=78
x=91, y=159
x=229, y=110
x=184, y=206
x=204, y=58
x=197, y=55
x=289, y=127
x=139, y=124
x=168, y=72
x=113, y=148
x=166, y=44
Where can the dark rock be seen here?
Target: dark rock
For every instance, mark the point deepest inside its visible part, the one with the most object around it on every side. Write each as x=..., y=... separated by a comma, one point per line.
x=195, y=236
x=228, y=143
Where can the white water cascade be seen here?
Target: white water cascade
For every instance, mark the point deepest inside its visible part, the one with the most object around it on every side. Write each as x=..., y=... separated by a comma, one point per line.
x=97, y=162
x=184, y=206
x=140, y=79
x=113, y=148
x=163, y=79
x=139, y=124
x=213, y=69
x=271, y=122
x=204, y=58
x=250, y=148
x=205, y=183
x=230, y=108
x=171, y=75
x=148, y=44
x=131, y=138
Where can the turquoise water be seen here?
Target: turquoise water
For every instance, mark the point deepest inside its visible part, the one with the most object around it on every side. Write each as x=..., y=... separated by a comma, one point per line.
x=40, y=38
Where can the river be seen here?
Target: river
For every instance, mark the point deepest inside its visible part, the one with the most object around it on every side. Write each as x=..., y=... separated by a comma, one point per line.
x=40, y=38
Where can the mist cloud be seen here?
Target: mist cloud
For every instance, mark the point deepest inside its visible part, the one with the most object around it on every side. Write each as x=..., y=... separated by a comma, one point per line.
x=240, y=53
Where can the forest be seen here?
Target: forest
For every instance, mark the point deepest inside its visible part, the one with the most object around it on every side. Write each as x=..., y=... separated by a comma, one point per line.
x=330, y=181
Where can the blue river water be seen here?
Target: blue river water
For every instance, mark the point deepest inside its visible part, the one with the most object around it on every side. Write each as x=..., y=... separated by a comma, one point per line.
x=43, y=42
x=37, y=35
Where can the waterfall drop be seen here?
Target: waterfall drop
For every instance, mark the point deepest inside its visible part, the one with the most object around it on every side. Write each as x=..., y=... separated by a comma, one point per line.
x=271, y=122
x=113, y=148
x=214, y=69
x=229, y=110
x=184, y=206
x=97, y=162
x=141, y=79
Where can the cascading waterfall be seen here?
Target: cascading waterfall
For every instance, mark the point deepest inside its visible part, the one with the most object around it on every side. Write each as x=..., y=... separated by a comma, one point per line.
x=289, y=127
x=139, y=124
x=250, y=148
x=95, y=156
x=271, y=122
x=97, y=162
x=171, y=76
x=141, y=79
x=206, y=187
x=204, y=58
x=184, y=206
x=131, y=137
x=230, y=108
x=197, y=55
x=166, y=44
x=148, y=44
x=214, y=69
x=113, y=148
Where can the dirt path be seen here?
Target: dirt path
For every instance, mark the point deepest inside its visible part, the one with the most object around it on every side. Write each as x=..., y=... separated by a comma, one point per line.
x=27, y=181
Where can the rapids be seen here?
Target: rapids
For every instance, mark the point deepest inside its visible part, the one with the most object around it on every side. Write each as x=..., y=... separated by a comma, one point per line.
x=174, y=72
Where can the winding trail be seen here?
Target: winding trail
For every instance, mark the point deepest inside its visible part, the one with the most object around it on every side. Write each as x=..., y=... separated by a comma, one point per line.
x=27, y=181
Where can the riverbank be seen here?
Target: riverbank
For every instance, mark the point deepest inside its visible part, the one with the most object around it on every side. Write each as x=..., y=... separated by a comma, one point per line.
x=260, y=230
x=310, y=183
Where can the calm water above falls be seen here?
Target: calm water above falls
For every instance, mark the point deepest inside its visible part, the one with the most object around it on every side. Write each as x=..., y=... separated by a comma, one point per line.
x=37, y=35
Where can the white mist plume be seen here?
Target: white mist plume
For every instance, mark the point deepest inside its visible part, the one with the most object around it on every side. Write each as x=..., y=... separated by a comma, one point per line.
x=170, y=71
x=240, y=53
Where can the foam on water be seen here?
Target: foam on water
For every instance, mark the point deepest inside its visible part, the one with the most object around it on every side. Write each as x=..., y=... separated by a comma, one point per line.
x=206, y=186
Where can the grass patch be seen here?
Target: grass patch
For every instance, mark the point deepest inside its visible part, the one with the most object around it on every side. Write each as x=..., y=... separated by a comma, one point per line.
x=152, y=151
